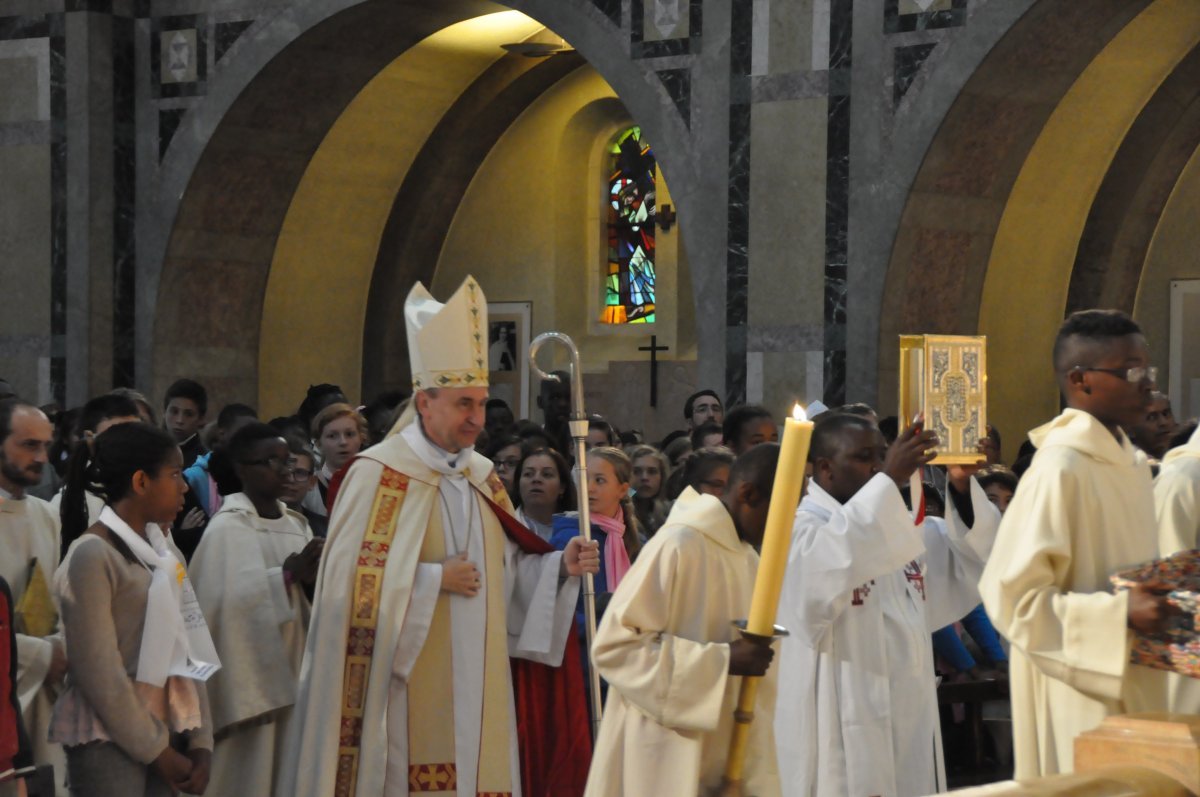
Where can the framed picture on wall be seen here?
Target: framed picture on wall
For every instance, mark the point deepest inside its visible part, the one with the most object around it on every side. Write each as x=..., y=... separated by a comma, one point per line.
x=508, y=354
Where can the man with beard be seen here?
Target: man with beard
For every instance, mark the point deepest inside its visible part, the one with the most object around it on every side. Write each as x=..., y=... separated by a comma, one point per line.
x=29, y=552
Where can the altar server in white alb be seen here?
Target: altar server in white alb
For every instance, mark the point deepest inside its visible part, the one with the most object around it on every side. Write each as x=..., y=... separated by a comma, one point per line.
x=1177, y=498
x=1177, y=507
x=422, y=596
x=251, y=570
x=1084, y=510
x=672, y=658
x=865, y=587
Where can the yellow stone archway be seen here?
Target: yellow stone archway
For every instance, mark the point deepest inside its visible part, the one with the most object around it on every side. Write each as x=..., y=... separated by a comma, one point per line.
x=1033, y=253
x=321, y=270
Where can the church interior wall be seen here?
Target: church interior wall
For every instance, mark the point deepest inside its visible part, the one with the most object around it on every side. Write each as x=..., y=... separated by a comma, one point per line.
x=841, y=170
x=946, y=246
x=1170, y=256
x=337, y=215
x=1045, y=216
x=26, y=233
x=531, y=226
x=787, y=251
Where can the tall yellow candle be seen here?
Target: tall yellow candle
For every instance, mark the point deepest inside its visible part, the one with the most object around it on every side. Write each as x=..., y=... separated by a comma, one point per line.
x=772, y=565
x=777, y=538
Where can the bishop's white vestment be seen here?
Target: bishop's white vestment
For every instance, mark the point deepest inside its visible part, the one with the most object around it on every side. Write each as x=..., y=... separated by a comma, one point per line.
x=403, y=684
x=1083, y=510
x=258, y=625
x=663, y=647
x=865, y=588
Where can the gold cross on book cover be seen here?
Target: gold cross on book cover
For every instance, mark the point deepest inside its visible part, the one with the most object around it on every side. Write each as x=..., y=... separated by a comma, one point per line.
x=945, y=377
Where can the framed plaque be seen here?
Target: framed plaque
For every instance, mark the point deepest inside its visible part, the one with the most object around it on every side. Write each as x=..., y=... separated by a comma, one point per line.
x=508, y=354
x=945, y=378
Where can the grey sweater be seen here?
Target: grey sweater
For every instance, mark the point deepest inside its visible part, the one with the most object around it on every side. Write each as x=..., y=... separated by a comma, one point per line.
x=102, y=598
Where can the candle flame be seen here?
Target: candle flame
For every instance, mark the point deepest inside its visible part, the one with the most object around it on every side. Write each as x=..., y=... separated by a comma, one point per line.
x=798, y=413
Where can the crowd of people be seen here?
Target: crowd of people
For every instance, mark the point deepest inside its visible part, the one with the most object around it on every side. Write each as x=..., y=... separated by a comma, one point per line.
x=198, y=597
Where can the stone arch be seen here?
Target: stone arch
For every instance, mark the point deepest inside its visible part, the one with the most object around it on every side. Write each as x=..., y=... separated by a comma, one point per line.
x=231, y=171
x=979, y=248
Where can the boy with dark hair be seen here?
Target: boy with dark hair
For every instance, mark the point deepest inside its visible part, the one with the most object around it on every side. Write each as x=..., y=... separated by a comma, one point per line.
x=498, y=418
x=210, y=478
x=707, y=435
x=747, y=425
x=318, y=398
x=670, y=654
x=185, y=407
x=1085, y=510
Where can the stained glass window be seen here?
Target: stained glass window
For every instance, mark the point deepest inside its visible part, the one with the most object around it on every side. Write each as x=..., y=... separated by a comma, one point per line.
x=629, y=277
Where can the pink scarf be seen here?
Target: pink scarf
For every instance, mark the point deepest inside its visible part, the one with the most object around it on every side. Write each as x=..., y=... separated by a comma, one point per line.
x=616, y=558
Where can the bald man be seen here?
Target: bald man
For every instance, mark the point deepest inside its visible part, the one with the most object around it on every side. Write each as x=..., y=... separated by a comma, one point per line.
x=668, y=649
x=1084, y=510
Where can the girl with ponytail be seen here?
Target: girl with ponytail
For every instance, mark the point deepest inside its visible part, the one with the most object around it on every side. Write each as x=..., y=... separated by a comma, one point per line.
x=77, y=504
x=134, y=716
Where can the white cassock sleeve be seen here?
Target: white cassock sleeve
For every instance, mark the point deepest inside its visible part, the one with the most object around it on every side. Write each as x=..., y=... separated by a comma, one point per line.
x=1177, y=506
x=540, y=610
x=955, y=556
x=1079, y=638
x=33, y=662
x=871, y=535
x=679, y=683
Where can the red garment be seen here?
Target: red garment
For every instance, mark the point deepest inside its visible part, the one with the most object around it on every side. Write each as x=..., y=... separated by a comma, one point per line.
x=10, y=737
x=552, y=712
x=551, y=702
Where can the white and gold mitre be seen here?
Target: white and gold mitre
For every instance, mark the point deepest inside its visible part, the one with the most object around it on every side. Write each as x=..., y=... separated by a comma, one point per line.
x=446, y=341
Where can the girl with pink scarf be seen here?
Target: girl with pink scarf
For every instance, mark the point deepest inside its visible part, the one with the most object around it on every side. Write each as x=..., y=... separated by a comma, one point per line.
x=614, y=522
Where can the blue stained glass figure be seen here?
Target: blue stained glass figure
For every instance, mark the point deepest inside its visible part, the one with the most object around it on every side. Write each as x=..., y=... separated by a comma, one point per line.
x=629, y=296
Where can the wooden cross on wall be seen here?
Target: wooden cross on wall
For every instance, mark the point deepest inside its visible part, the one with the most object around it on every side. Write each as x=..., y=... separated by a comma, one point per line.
x=654, y=349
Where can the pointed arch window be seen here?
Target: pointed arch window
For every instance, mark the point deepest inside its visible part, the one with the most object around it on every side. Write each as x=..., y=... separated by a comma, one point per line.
x=629, y=279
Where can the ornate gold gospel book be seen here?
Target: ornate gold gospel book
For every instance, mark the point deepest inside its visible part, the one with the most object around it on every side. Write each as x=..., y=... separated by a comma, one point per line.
x=945, y=377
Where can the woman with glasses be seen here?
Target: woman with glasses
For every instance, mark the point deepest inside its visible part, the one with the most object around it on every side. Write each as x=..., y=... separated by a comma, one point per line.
x=254, y=572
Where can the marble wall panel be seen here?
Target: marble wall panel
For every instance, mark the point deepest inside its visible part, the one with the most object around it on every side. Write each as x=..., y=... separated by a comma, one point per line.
x=621, y=394
x=27, y=193
x=787, y=241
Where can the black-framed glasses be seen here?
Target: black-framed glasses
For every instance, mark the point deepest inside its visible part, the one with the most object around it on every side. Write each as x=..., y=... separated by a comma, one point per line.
x=275, y=463
x=1136, y=374
x=300, y=474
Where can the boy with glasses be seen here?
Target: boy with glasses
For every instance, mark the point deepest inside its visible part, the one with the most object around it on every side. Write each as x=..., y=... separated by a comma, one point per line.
x=1085, y=510
x=253, y=572
x=304, y=478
